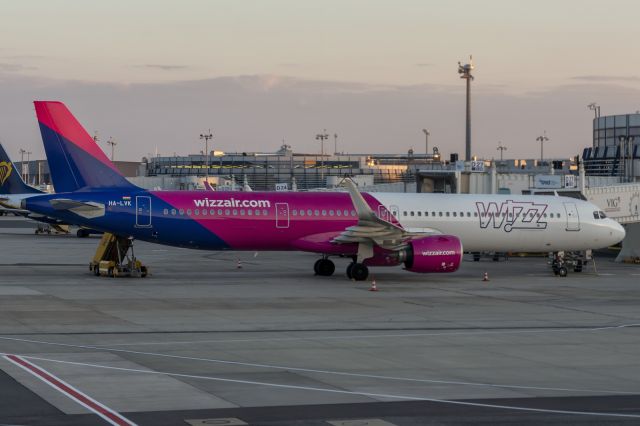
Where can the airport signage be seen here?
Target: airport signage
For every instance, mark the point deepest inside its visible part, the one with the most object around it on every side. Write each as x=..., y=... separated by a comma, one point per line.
x=547, y=181
x=282, y=186
x=570, y=181
x=477, y=166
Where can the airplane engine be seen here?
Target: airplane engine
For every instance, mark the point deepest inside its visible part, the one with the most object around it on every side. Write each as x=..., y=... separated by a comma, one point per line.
x=438, y=253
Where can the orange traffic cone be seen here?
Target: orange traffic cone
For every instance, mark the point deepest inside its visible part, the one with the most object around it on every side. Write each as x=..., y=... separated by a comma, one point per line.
x=485, y=277
x=373, y=287
x=239, y=264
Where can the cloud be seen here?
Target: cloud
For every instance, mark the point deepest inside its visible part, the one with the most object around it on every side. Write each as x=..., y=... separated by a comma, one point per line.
x=607, y=78
x=164, y=67
x=8, y=67
x=254, y=112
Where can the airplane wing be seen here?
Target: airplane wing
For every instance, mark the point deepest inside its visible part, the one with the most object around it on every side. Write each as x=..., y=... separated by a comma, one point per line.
x=372, y=229
x=88, y=209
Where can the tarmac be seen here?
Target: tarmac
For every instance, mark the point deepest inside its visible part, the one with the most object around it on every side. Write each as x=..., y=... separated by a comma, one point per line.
x=201, y=341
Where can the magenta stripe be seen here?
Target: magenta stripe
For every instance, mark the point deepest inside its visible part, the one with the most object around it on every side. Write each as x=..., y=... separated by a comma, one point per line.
x=62, y=387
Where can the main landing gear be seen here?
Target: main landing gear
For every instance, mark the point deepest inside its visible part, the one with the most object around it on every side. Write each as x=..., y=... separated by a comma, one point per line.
x=324, y=267
x=357, y=271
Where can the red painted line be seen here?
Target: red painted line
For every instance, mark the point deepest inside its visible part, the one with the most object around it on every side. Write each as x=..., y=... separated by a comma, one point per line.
x=106, y=413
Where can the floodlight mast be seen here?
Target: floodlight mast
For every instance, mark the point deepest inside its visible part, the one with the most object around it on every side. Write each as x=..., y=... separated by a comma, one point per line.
x=206, y=137
x=542, y=139
x=465, y=72
x=322, y=137
x=501, y=148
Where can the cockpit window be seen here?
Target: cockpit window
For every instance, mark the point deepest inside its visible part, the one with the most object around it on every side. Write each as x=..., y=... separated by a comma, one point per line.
x=596, y=215
x=602, y=215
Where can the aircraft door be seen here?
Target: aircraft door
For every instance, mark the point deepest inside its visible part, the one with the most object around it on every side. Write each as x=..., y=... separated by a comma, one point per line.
x=143, y=212
x=383, y=213
x=395, y=212
x=282, y=215
x=573, y=220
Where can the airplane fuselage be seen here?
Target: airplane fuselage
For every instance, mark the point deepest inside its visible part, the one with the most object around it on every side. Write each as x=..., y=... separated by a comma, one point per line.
x=310, y=220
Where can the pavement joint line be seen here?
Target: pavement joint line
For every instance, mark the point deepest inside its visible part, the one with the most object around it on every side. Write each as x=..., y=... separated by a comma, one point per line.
x=108, y=414
x=318, y=371
x=342, y=391
x=360, y=336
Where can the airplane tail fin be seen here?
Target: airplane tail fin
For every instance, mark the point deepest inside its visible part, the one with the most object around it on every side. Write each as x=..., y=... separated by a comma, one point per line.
x=75, y=160
x=10, y=180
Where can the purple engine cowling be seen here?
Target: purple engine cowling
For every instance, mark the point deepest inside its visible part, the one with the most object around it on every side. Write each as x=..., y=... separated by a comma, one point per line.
x=438, y=253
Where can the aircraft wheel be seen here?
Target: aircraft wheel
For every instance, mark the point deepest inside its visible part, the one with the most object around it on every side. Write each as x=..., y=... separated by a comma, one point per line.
x=316, y=267
x=359, y=272
x=326, y=268
x=349, y=268
x=562, y=271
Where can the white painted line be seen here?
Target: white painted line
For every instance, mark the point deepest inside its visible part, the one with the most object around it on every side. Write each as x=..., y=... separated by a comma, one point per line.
x=344, y=392
x=337, y=373
x=111, y=416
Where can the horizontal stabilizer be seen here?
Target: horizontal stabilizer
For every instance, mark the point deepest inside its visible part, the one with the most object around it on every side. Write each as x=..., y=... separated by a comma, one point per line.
x=86, y=209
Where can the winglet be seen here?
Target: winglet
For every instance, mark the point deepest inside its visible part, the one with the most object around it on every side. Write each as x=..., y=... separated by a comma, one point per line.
x=361, y=206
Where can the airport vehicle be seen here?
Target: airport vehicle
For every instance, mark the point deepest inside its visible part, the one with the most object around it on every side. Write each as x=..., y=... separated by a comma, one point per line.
x=424, y=232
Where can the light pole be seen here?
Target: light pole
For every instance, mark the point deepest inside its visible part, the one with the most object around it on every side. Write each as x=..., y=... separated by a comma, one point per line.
x=501, y=148
x=22, y=153
x=206, y=137
x=465, y=72
x=322, y=137
x=335, y=144
x=426, y=144
x=595, y=108
x=542, y=139
x=113, y=144
x=28, y=165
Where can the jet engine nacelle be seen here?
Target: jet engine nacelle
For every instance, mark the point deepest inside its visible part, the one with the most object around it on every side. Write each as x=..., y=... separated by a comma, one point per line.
x=438, y=253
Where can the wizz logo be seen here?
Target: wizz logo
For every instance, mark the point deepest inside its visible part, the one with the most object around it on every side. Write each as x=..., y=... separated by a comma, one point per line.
x=512, y=215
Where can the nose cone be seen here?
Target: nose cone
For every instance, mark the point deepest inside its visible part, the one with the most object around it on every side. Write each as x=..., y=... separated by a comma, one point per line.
x=616, y=231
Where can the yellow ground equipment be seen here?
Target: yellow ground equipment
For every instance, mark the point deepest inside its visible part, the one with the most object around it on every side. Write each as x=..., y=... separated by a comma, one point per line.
x=112, y=258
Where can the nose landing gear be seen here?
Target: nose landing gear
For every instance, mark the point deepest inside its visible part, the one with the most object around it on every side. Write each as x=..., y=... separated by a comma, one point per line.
x=324, y=267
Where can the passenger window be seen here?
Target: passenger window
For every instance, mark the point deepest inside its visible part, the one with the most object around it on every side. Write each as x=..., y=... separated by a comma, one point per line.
x=558, y=215
x=309, y=212
x=212, y=212
x=227, y=212
x=404, y=213
x=461, y=214
x=204, y=212
x=468, y=214
x=165, y=212
x=264, y=213
x=173, y=212
x=331, y=212
x=412, y=213
x=346, y=212
x=316, y=212
x=324, y=212
x=219, y=212
x=188, y=212
x=353, y=212
x=249, y=212
x=339, y=212
x=419, y=213
x=440, y=214
x=257, y=212
x=181, y=212
x=197, y=212
x=455, y=214
x=475, y=214
x=295, y=212
x=301, y=212
x=433, y=213
x=447, y=214
x=242, y=212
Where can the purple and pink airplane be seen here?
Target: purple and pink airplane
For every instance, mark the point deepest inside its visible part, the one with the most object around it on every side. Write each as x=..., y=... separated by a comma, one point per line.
x=425, y=233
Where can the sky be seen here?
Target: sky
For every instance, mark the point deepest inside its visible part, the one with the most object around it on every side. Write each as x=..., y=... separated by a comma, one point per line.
x=155, y=74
